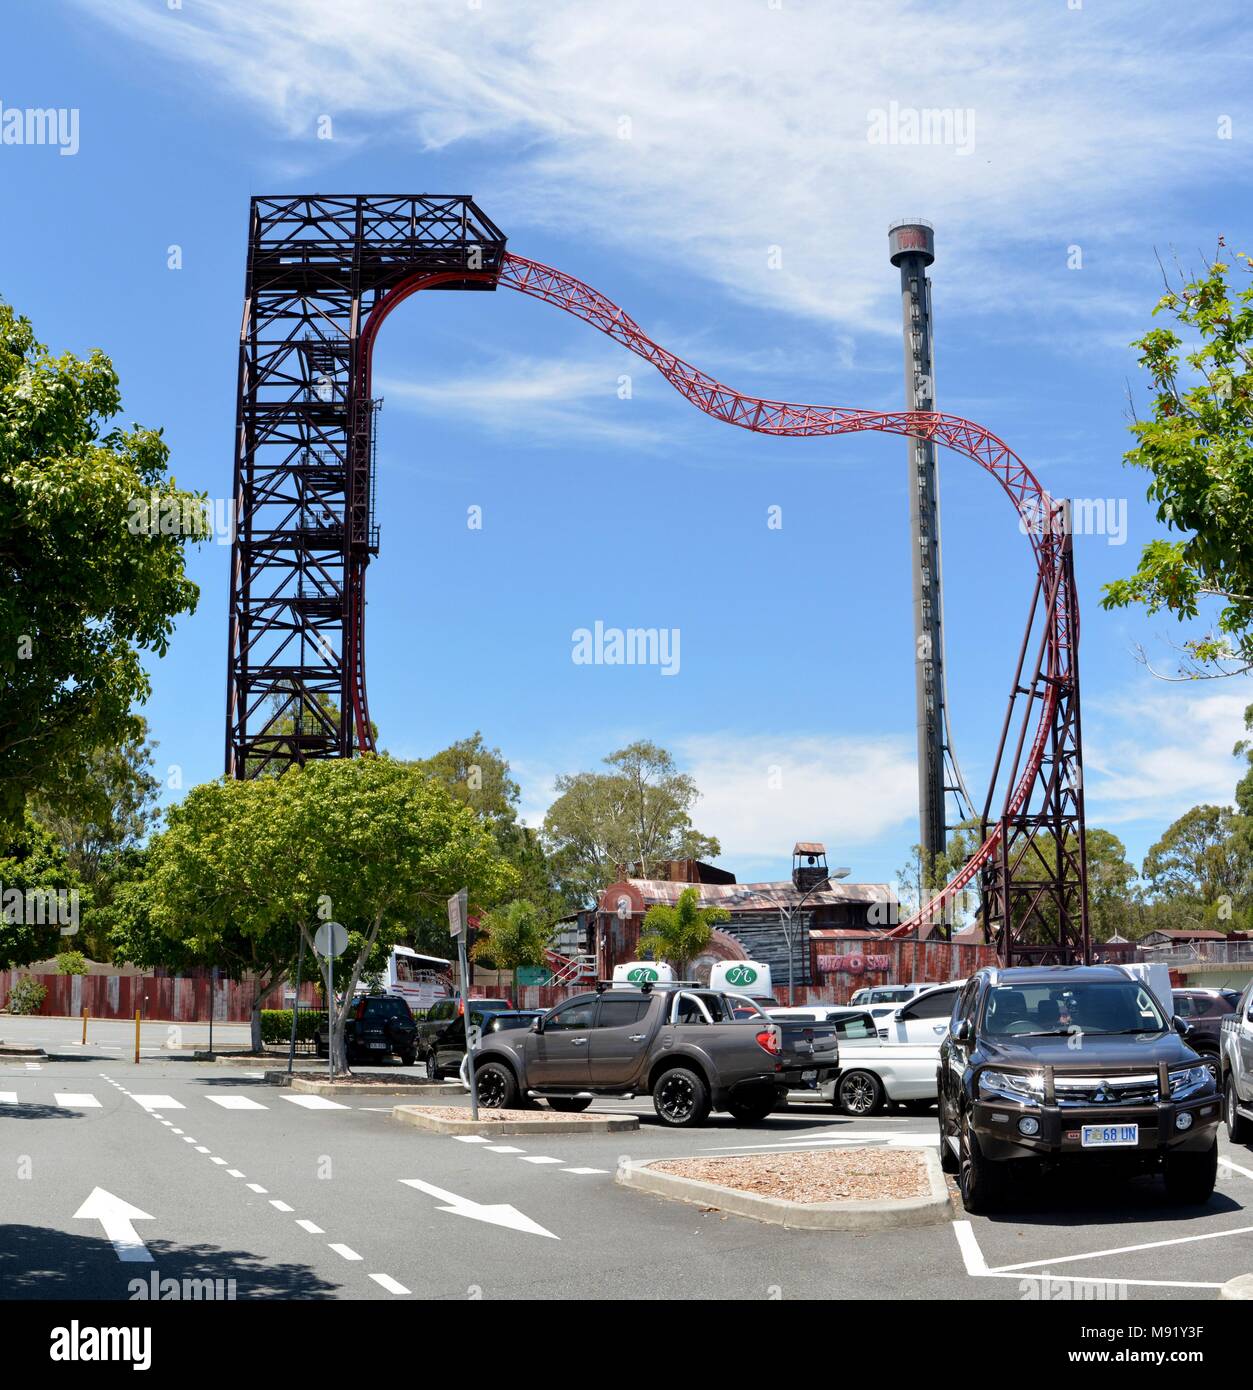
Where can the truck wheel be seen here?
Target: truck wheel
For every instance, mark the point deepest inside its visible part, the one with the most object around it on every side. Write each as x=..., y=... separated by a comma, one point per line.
x=1190, y=1177
x=432, y=1068
x=859, y=1093
x=981, y=1182
x=569, y=1105
x=681, y=1098
x=948, y=1159
x=753, y=1111
x=496, y=1086
x=1239, y=1130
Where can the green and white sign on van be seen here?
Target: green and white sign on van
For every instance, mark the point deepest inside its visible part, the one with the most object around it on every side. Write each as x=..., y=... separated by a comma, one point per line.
x=643, y=974
x=741, y=975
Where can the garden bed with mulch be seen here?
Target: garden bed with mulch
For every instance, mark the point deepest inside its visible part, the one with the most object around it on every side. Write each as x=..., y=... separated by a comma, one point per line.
x=809, y=1189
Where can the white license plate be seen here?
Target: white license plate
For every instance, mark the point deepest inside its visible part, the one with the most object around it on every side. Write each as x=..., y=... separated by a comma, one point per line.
x=1109, y=1136
x=809, y=1076
x=378, y=1044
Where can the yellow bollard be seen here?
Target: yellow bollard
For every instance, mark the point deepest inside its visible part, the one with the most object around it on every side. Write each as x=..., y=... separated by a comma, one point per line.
x=84, y=1027
x=136, y=1035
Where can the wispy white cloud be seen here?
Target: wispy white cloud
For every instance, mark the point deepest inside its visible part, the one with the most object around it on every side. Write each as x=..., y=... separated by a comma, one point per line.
x=1151, y=754
x=536, y=398
x=710, y=132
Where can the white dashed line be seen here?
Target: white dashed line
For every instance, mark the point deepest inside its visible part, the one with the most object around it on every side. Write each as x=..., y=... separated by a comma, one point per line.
x=345, y=1250
x=387, y=1282
x=200, y=1149
x=309, y=1226
x=80, y=1099
x=541, y=1159
x=314, y=1103
x=582, y=1171
x=233, y=1173
x=471, y=1139
x=502, y=1149
x=256, y=1187
x=280, y=1206
x=237, y=1103
x=215, y=1159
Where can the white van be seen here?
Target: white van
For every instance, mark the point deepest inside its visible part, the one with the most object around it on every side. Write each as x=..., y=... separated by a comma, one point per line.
x=641, y=972
x=749, y=977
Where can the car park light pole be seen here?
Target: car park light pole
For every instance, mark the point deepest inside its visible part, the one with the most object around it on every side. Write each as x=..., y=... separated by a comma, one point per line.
x=786, y=914
x=458, y=910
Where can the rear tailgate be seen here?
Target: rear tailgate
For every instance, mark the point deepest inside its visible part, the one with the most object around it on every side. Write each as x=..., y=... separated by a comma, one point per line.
x=808, y=1045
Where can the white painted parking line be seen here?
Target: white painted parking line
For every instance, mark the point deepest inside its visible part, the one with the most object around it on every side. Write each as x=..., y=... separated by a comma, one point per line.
x=233, y=1173
x=200, y=1149
x=221, y=1161
x=159, y=1102
x=583, y=1171
x=34, y=1066
x=541, y=1159
x=315, y=1103
x=1235, y=1167
x=311, y=1228
x=187, y=1139
x=503, y=1149
x=1124, y=1249
x=471, y=1139
x=237, y=1103
x=387, y=1282
x=76, y=1098
x=977, y=1267
x=345, y=1250
x=256, y=1187
x=280, y=1206
x=8, y=1097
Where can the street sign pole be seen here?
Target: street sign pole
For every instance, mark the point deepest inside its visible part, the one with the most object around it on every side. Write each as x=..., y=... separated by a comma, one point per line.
x=458, y=913
x=329, y=941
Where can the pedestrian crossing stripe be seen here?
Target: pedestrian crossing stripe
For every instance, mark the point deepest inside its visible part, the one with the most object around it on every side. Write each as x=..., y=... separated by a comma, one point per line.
x=159, y=1102
x=237, y=1102
x=77, y=1099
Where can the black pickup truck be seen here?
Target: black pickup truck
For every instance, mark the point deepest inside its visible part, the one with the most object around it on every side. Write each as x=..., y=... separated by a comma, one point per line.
x=1072, y=1066
x=693, y=1050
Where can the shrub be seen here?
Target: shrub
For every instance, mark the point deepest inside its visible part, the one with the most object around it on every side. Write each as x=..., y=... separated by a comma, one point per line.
x=26, y=996
x=276, y=1025
x=71, y=963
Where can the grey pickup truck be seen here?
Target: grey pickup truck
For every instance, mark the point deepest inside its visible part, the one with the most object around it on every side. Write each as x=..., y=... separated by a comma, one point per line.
x=693, y=1050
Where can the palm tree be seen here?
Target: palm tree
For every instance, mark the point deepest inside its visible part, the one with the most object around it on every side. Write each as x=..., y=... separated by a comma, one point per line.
x=680, y=933
x=513, y=936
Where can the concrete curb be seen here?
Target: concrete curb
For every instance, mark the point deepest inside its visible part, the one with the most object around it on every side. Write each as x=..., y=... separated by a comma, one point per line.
x=1241, y=1287
x=887, y=1214
x=348, y=1088
x=23, y=1053
x=570, y=1124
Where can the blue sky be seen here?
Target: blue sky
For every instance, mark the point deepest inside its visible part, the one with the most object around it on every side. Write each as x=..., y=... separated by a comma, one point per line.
x=660, y=152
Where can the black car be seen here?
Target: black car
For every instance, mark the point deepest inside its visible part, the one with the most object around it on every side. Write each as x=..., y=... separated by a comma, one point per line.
x=379, y=1025
x=442, y=1033
x=1205, y=1010
x=1075, y=1066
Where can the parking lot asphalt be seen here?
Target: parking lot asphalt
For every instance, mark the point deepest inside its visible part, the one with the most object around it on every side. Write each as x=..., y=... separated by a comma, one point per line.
x=298, y=1197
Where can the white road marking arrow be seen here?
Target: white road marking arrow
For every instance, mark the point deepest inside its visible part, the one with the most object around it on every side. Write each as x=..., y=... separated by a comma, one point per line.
x=116, y=1217
x=499, y=1214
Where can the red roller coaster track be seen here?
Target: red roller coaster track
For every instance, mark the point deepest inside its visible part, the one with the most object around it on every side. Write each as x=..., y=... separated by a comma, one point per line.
x=324, y=272
x=1044, y=518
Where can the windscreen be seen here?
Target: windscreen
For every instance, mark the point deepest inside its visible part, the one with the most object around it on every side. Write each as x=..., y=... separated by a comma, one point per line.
x=1089, y=1006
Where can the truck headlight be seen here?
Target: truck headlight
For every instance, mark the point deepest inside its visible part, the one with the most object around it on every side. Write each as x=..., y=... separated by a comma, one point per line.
x=1025, y=1087
x=1190, y=1081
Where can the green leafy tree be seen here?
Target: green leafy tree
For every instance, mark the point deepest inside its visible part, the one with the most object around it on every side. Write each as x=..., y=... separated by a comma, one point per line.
x=680, y=933
x=1198, y=448
x=87, y=582
x=513, y=936
x=635, y=816
x=71, y=963
x=34, y=874
x=1202, y=859
x=246, y=869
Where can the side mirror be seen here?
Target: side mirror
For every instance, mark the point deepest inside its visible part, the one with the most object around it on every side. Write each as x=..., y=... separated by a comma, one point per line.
x=1182, y=1026
x=537, y=1025
x=961, y=1033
